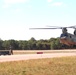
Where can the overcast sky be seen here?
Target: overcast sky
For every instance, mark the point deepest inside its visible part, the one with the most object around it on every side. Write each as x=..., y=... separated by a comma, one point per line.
x=17, y=16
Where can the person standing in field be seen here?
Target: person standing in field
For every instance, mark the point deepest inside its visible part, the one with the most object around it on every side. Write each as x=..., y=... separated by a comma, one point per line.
x=11, y=50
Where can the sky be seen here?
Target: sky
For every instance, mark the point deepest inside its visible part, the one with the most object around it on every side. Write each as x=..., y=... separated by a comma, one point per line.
x=17, y=16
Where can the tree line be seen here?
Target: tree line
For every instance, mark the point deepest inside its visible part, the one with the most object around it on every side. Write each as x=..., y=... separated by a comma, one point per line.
x=32, y=44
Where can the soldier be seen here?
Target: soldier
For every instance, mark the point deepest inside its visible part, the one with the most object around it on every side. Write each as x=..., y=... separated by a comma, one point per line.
x=11, y=50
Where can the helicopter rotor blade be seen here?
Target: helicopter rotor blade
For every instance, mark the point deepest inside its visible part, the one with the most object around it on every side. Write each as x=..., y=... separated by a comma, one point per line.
x=60, y=27
x=45, y=28
x=55, y=27
x=73, y=26
x=64, y=27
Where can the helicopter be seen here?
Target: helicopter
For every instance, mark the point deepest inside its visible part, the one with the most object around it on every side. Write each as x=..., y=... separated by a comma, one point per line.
x=65, y=37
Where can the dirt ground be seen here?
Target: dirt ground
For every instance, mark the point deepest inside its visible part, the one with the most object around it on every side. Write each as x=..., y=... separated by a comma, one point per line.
x=50, y=54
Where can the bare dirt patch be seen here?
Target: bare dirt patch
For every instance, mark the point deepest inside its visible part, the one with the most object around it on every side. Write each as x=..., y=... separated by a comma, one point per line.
x=55, y=53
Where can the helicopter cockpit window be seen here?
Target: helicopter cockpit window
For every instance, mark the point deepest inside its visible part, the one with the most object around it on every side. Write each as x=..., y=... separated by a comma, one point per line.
x=64, y=35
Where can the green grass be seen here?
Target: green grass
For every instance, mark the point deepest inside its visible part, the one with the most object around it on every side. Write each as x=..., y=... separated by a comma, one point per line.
x=49, y=66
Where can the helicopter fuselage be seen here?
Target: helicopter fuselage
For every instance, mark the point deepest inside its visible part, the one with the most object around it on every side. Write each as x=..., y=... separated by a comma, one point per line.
x=68, y=39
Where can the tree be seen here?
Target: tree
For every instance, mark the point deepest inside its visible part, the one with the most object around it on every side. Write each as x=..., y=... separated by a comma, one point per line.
x=1, y=44
x=6, y=45
x=58, y=44
x=53, y=45
x=13, y=43
x=32, y=44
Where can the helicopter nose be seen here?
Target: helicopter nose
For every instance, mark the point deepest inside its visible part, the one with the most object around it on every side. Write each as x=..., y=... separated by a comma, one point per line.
x=64, y=37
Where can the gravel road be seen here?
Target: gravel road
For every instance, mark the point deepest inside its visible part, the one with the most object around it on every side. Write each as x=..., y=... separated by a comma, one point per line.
x=7, y=58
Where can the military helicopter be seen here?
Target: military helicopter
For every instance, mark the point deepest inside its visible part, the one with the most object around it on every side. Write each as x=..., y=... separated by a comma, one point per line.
x=65, y=38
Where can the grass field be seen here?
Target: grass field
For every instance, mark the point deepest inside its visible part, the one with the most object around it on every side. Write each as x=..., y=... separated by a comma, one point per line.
x=52, y=66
